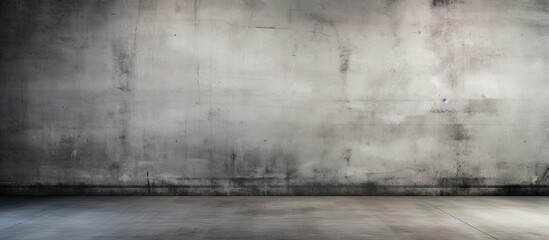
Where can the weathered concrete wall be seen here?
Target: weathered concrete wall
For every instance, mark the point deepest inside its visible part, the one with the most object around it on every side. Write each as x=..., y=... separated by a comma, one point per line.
x=274, y=97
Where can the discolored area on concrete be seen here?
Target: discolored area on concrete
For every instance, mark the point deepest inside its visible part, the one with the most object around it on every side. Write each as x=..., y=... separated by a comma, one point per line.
x=274, y=218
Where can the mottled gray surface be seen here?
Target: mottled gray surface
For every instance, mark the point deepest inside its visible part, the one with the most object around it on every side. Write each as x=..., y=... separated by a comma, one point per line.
x=249, y=95
x=274, y=218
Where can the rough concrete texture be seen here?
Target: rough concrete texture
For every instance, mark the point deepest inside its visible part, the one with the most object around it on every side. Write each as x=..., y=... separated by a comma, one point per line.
x=274, y=97
x=274, y=218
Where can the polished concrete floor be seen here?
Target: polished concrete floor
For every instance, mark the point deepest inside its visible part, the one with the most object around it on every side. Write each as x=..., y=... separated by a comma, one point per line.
x=274, y=218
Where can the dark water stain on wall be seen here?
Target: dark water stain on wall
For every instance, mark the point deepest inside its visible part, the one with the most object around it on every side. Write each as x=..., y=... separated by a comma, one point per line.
x=344, y=50
x=321, y=19
x=114, y=171
x=442, y=32
x=459, y=185
x=347, y=154
x=543, y=4
x=344, y=56
x=459, y=132
x=281, y=162
x=482, y=106
x=253, y=161
x=123, y=66
x=124, y=55
x=122, y=122
x=442, y=3
x=230, y=163
x=196, y=10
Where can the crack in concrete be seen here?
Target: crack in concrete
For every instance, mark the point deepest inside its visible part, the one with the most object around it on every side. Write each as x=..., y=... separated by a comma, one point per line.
x=478, y=229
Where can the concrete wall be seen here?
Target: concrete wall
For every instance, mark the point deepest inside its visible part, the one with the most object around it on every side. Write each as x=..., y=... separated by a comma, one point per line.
x=274, y=97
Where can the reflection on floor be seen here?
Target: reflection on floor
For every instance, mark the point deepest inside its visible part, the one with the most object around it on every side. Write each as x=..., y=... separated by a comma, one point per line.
x=274, y=218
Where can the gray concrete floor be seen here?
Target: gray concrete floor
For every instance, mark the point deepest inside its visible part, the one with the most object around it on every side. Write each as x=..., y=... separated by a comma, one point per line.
x=274, y=218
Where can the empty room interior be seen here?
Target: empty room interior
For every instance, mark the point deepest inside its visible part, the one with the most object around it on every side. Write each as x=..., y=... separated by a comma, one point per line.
x=274, y=119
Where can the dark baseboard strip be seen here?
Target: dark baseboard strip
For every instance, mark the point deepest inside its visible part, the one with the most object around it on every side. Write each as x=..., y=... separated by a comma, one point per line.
x=302, y=190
